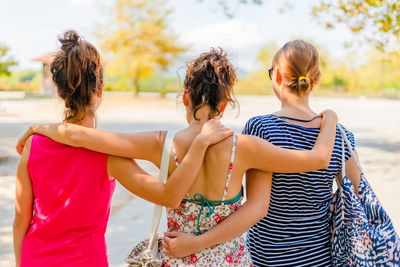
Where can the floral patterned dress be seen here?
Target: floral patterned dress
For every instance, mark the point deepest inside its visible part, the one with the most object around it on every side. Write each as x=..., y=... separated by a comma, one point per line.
x=197, y=215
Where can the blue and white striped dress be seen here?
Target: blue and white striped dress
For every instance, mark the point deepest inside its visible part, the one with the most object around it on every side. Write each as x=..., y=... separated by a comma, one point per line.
x=295, y=231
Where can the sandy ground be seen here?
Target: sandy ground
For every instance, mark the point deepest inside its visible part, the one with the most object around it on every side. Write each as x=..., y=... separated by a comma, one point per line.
x=375, y=123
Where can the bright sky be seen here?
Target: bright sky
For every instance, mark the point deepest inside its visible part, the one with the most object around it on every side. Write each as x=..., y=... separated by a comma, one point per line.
x=30, y=28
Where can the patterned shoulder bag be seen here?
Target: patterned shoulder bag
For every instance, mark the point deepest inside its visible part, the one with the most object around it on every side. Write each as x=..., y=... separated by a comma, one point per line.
x=362, y=233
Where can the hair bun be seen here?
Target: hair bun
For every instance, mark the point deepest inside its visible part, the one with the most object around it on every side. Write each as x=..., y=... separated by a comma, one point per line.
x=70, y=39
x=304, y=84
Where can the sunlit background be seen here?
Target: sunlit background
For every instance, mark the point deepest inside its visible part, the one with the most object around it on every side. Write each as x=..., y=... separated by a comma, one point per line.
x=144, y=43
x=144, y=46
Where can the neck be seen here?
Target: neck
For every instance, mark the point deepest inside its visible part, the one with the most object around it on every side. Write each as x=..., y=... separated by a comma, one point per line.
x=202, y=115
x=294, y=104
x=88, y=121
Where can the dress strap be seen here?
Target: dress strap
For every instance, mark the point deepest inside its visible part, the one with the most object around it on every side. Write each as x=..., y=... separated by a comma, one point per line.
x=177, y=163
x=175, y=156
x=228, y=178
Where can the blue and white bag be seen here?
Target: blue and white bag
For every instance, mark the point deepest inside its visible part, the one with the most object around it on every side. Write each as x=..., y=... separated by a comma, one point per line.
x=362, y=233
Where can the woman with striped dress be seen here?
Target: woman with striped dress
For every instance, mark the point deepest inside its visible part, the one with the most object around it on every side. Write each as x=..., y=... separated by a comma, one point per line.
x=295, y=230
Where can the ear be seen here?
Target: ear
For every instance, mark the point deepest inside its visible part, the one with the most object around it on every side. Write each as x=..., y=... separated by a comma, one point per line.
x=186, y=98
x=100, y=91
x=222, y=107
x=58, y=92
x=278, y=76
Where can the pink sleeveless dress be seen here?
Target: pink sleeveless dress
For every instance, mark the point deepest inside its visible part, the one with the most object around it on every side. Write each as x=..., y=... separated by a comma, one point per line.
x=72, y=195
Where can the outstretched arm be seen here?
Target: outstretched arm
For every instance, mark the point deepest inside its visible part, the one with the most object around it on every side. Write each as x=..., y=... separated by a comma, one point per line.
x=141, y=145
x=23, y=203
x=263, y=155
x=258, y=187
x=132, y=177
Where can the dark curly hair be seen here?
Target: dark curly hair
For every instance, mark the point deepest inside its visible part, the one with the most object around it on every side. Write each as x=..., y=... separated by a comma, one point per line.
x=209, y=81
x=77, y=73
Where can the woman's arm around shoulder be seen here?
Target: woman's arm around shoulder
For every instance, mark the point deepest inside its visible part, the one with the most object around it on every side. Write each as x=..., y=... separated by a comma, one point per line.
x=260, y=154
x=23, y=202
x=140, y=145
x=131, y=176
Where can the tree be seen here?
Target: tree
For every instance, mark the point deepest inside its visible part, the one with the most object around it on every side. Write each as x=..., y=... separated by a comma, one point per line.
x=377, y=20
x=5, y=62
x=139, y=40
x=381, y=18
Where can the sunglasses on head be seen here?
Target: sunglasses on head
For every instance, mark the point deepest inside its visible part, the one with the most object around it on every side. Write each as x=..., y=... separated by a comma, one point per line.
x=270, y=70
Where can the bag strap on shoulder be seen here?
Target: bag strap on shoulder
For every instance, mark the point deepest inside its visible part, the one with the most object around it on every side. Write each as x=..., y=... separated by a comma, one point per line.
x=346, y=141
x=163, y=178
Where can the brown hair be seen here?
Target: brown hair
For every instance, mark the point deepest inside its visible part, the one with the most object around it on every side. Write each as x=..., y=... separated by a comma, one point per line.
x=298, y=59
x=78, y=74
x=209, y=81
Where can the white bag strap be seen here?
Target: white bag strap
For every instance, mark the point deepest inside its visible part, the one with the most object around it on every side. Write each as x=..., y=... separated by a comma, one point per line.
x=346, y=140
x=163, y=178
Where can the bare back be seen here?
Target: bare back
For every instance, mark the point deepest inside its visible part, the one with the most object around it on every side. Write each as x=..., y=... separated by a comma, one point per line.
x=213, y=174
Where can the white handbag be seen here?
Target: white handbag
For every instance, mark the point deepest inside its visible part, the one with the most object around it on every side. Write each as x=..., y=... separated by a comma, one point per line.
x=148, y=253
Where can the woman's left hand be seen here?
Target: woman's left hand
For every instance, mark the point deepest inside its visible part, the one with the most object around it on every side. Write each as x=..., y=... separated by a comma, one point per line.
x=178, y=245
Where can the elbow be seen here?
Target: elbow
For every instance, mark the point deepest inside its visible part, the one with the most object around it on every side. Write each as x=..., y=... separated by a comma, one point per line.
x=325, y=161
x=260, y=210
x=173, y=203
x=263, y=212
x=20, y=224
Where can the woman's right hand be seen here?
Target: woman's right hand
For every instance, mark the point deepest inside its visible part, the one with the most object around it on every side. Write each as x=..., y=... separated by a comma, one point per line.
x=178, y=245
x=22, y=140
x=213, y=131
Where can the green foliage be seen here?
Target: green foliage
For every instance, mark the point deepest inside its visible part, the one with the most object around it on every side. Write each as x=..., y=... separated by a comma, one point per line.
x=377, y=20
x=23, y=80
x=139, y=41
x=152, y=83
x=379, y=75
x=5, y=61
x=257, y=82
x=381, y=18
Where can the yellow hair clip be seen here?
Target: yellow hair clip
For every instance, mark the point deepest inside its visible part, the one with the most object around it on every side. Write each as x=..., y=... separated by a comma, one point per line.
x=303, y=78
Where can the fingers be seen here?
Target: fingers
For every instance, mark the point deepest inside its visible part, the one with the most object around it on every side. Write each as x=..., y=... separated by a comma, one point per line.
x=19, y=147
x=165, y=244
x=166, y=247
x=329, y=114
x=171, y=234
x=168, y=253
x=228, y=132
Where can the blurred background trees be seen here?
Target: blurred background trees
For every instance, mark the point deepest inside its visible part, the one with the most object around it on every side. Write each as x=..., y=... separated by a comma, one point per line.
x=5, y=61
x=377, y=20
x=138, y=42
x=142, y=53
